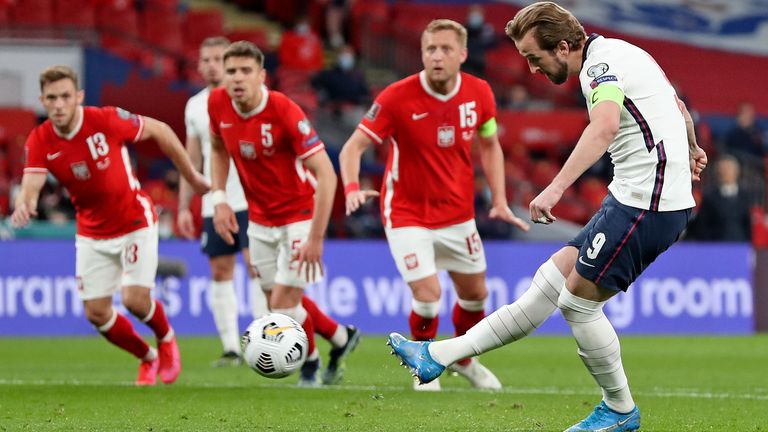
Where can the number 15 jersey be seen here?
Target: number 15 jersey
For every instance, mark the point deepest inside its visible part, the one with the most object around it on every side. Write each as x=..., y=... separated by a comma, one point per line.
x=429, y=180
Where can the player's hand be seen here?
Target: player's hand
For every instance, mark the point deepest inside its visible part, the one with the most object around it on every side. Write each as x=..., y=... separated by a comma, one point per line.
x=698, y=163
x=186, y=223
x=22, y=214
x=357, y=198
x=225, y=222
x=309, y=256
x=541, y=206
x=199, y=183
x=502, y=212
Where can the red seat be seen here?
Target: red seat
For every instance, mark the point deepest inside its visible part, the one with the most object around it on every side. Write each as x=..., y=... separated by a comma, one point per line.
x=199, y=25
x=162, y=28
x=75, y=13
x=258, y=37
x=33, y=12
x=15, y=125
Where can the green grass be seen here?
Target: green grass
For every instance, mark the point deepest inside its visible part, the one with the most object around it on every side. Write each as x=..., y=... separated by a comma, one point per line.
x=681, y=384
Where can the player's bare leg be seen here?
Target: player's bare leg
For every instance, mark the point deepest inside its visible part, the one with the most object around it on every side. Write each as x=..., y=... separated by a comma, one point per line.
x=117, y=329
x=223, y=301
x=287, y=301
x=259, y=301
x=138, y=300
x=468, y=311
x=424, y=318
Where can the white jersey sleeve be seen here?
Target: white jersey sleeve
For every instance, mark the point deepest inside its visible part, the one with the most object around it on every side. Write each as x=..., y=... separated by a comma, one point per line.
x=650, y=152
x=197, y=125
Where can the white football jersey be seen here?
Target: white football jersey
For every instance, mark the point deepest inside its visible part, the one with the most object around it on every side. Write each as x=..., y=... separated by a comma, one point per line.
x=196, y=119
x=650, y=152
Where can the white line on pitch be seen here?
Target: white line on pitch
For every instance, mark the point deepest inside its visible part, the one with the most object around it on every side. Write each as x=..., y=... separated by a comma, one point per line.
x=659, y=392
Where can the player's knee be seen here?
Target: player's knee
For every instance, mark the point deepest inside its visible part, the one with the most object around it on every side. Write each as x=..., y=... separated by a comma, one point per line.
x=137, y=301
x=98, y=316
x=222, y=269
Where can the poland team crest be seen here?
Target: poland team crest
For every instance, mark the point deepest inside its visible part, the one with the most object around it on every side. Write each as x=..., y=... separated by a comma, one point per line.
x=80, y=170
x=446, y=136
x=247, y=150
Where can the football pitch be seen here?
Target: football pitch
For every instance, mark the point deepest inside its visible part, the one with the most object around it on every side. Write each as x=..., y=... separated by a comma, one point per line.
x=680, y=384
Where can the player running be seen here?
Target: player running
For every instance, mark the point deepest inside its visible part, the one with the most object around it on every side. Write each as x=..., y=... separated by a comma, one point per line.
x=636, y=117
x=116, y=242
x=430, y=120
x=289, y=184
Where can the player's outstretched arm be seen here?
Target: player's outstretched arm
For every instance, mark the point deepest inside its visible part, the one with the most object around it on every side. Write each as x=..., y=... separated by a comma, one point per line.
x=593, y=143
x=349, y=160
x=492, y=159
x=170, y=145
x=310, y=253
x=185, y=220
x=697, y=155
x=25, y=206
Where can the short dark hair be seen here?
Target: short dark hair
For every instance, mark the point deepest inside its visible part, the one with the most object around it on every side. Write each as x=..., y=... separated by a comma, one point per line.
x=550, y=23
x=215, y=41
x=56, y=73
x=245, y=49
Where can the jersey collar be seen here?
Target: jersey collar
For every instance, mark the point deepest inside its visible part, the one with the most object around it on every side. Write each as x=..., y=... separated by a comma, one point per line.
x=434, y=94
x=259, y=108
x=587, y=46
x=74, y=130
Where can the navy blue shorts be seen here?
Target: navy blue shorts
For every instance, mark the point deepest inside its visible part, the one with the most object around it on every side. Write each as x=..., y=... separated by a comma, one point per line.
x=213, y=245
x=619, y=242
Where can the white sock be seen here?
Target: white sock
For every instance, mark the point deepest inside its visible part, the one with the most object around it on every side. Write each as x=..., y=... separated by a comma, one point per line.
x=299, y=314
x=151, y=354
x=509, y=323
x=599, y=348
x=259, y=305
x=223, y=301
x=340, y=337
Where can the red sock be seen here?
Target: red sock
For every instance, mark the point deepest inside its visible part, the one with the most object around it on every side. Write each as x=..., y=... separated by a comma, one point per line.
x=423, y=328
x=309, y=328
x=124, y=336
x=324, y=324
x=464, y=320
x=157, y=321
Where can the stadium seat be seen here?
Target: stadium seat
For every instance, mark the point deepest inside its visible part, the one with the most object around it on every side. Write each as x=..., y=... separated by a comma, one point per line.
x=201, y=24
x=257, y=36
x=75, y=13
x=15, y=125
x=37, y=13
x=162, y=29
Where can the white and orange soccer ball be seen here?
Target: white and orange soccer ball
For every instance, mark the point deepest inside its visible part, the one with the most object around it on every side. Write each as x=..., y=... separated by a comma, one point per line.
x=274, y=345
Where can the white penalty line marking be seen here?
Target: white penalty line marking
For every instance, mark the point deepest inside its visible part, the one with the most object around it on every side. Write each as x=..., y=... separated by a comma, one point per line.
x=670, y=393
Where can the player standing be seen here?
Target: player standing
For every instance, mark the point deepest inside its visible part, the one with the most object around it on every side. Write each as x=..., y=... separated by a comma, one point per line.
x=116, y=243
x=431, y=120
x=289, y=184
x=636, y=116
x=221, y=255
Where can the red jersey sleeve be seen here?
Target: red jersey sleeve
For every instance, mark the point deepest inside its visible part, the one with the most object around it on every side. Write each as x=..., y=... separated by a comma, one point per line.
x=304, y=140
x=125, y=125
x=488, y=102
x=213, y=113
x=34, y=156
x=377, y=122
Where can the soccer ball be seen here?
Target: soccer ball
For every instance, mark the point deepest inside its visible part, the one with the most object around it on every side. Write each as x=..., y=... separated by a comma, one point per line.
x=274, y=345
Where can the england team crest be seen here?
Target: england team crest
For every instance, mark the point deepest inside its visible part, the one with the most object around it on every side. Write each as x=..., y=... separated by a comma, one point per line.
x=247, y=150
x=80, y=170
x=446, y=136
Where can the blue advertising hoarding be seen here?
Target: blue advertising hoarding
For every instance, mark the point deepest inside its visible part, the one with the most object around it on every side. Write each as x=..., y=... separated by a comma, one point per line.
x=690, y=289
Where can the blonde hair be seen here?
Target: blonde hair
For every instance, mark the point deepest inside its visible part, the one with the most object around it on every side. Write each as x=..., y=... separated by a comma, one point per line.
x=56, y=73
x=550, y=23
x=215, y=41
x=446, y=24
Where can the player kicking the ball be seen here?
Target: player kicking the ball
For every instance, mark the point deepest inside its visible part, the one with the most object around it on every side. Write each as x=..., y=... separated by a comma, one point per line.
x=116, y=243
x=636, y=117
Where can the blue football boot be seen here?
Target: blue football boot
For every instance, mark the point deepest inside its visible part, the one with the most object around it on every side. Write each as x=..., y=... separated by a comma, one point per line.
x=604, y=419
x=415, y=356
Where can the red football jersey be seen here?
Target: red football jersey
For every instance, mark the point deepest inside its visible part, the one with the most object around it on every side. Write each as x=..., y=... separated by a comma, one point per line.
x=429, y=177
x=93, y=164
x=268, y=146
